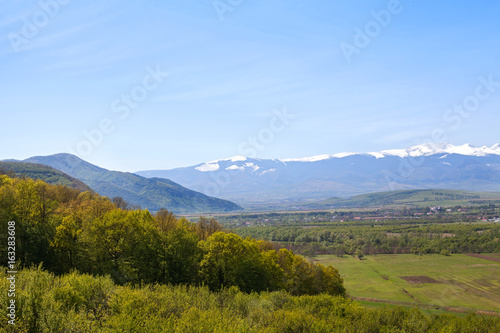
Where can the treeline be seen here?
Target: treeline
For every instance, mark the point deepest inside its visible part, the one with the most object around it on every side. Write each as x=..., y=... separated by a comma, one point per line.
x=83, y=303
x=384, y=216
x=382, y=239
x=450, y=196
x=65, y=229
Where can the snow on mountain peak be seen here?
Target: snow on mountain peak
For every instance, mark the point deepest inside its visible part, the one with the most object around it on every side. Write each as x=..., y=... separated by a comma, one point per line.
x=428, y=149
x=425, y=149
x=238, y=158
x=308, y=159
x=318, y=157
x=214, y=165
x=210, y=166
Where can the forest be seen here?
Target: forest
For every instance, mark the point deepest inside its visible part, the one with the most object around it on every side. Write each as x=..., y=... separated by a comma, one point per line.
x=87, y=263
x=65, y=229
x=390, y=237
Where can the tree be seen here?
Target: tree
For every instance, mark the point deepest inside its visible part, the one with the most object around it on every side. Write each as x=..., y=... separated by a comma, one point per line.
x=180, y=254
x=304, y=278
x=359, y=254
x=229, y=260
x=445, y=252
x=166, y=221
x=206, y=227
x=125, y=244
x=66, y=241
x=120, y=203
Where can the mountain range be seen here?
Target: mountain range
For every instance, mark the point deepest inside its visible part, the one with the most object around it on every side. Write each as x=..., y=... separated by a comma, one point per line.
x=150, y=193
x=253, y=181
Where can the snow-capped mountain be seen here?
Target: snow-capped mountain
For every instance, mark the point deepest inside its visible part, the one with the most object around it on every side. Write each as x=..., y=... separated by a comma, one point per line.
x=431, y=165
x=415, y=151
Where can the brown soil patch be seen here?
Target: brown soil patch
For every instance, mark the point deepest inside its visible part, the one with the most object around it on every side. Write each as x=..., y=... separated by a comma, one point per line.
x=419, y=279
x=483, y=256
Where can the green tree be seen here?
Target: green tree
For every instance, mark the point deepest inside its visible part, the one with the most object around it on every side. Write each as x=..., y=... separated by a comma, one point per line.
x=65, y=241
x=180, y=254
x=229, y=260
x=125, y=244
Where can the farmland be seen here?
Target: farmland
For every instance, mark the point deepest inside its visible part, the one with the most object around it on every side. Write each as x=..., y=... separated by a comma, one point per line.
x=458, y=282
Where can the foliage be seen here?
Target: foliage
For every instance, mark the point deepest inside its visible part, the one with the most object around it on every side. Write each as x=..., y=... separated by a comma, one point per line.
x=82, y=303
x=389, y=237
x=69, y=230
x=359, y=254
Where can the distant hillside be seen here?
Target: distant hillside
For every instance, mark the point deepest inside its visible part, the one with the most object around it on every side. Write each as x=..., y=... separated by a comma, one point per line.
x=409, y=198
x=43, y=172
x=261, y=182
x=150, y=193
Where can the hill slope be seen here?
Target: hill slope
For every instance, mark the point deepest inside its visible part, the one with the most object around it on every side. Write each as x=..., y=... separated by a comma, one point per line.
x=43, y=172
x=152, y=193
x=410, y=198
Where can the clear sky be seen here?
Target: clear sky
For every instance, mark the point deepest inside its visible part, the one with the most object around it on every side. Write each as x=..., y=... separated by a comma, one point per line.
x=348, y=75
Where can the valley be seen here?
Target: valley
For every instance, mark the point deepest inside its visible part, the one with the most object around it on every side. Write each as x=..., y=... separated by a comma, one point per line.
x=429, y=253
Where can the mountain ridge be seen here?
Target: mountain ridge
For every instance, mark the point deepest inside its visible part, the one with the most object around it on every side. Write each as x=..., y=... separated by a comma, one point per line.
x=425, y=149
x=255, y=181
x=43, y=172
x=410, y=198
x=150, y=193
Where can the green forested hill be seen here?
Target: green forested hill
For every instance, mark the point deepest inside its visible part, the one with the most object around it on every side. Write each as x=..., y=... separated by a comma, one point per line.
x=410, y=198
x=43, y=172
x=66, y=230
x=150, y=193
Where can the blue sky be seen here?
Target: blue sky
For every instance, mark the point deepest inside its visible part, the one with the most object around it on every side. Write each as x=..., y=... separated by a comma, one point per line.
x=67, y=67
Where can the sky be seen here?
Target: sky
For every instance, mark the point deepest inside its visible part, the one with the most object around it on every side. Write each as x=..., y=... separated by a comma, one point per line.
x=141, y=85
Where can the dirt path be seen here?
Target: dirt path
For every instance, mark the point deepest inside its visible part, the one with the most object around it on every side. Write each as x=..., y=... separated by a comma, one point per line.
x=483, y=256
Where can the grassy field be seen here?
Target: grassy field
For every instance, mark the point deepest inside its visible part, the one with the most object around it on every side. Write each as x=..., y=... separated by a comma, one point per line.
x=460, y=281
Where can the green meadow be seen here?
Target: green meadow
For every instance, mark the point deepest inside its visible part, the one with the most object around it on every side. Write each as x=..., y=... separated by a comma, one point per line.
x=458, y=281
